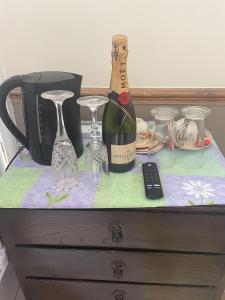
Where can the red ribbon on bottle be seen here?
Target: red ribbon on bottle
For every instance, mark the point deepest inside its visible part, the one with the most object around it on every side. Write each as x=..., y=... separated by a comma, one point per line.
x=123, y=98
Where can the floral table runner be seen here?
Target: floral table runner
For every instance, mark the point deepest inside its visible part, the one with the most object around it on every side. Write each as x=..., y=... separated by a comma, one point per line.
x=27, y=184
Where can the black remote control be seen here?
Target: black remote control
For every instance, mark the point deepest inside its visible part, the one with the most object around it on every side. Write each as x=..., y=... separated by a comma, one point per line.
x=153, y=188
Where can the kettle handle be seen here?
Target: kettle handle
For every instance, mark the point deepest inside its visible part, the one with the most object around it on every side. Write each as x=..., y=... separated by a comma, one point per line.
x=5, y=89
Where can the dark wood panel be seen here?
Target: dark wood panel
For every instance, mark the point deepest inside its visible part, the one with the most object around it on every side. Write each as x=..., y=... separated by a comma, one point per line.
x=204, y=96
x=58, y=290
x=195, y=232
x=220, y=289
x=125, y=266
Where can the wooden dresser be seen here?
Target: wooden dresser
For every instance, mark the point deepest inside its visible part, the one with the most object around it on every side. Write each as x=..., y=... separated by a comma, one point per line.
x=120, y=254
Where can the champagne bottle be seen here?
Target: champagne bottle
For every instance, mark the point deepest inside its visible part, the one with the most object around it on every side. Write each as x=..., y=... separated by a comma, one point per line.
x=119, y=121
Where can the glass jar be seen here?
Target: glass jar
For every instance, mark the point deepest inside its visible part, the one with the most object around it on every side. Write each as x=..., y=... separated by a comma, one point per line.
x=163, y=131
x=191, y=138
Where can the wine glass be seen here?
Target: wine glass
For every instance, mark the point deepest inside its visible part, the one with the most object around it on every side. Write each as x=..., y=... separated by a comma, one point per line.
x=96, y=151
x=64, y=159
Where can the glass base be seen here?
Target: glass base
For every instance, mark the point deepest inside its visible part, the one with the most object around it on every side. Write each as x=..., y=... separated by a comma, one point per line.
x=92, y=101
x=65, y=185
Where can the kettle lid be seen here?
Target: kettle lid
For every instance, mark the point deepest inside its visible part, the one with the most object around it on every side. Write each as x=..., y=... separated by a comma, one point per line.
x=49, y=76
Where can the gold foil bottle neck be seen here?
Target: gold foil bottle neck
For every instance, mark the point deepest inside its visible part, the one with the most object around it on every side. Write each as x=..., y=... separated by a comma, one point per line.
x=119, y=39
x=119, y=47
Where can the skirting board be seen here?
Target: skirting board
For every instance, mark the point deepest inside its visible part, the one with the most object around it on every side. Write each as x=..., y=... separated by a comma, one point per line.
x=159, y=96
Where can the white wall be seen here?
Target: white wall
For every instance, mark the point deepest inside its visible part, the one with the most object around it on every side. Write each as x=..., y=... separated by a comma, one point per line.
x=173, y=43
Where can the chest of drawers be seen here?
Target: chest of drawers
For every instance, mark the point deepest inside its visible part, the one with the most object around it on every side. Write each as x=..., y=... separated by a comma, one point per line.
x=152, y=254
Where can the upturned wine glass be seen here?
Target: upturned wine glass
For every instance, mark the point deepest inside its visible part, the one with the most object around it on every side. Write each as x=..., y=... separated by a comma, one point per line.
x=163, y=129
x=64, y=159
x=96, y=151
x=191, y=137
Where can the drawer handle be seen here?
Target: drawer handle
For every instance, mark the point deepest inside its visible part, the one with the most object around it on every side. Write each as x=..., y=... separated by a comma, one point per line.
x=118, y=268
x=117, y=229
x=119, y=294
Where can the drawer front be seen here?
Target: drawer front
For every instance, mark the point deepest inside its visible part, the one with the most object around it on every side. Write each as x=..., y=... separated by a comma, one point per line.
x=123, y=229
x=58, y=290
x=189, y=269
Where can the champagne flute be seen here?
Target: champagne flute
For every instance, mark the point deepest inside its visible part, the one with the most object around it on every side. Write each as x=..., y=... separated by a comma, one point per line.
x=64, y=159
x=96, y=151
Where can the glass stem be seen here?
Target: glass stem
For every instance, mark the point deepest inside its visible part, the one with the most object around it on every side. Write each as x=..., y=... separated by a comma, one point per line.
x=61, y=130
x=94, y=124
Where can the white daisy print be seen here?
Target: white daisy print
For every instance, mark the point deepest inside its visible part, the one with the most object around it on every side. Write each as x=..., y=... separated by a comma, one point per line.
x=198, y=189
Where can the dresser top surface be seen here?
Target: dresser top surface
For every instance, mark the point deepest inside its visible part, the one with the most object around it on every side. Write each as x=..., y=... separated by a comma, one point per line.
x=27, y=184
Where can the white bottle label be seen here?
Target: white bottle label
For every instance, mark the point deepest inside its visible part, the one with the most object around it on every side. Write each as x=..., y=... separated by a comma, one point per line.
x=123, y=154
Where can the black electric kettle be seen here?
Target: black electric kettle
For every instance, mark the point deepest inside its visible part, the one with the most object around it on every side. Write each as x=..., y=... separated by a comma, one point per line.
x=40, y=114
